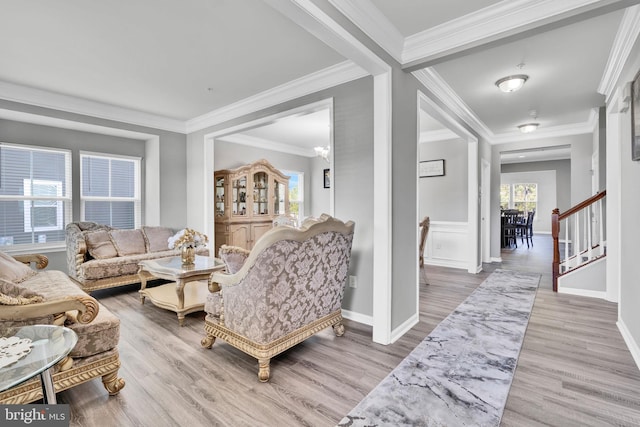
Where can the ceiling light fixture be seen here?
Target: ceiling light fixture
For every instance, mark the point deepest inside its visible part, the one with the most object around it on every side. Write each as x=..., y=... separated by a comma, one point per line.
x=512, y=83
x=528, y=127
x=322, y=152
x=532, y=126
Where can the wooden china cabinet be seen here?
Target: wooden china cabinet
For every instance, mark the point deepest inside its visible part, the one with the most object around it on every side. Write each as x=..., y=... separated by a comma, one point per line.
x=247, y=199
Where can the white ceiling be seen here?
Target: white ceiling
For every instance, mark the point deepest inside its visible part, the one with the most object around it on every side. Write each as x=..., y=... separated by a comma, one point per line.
x=183, y=61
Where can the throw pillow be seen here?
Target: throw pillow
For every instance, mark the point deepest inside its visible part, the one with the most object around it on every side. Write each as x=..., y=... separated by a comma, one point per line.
x=12, y=294
x=128, y=242
x=13, y=270
x=157, y=238
x=99, y=245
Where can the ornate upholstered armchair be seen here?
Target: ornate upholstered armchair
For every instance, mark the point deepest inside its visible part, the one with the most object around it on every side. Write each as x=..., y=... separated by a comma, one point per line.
x=289, y=287
x=49, y=297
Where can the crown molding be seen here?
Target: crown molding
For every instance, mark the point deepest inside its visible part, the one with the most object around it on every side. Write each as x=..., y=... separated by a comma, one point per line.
x=551, y=132
x=267, y=144
x=366, y=16
x=332, y=76
x=445, y=94
x=505, y=18
x=627, y=35
x=38, y=119
x=71, y=104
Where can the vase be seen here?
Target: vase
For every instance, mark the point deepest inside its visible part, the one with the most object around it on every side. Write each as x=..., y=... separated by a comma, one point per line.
x=188, y=255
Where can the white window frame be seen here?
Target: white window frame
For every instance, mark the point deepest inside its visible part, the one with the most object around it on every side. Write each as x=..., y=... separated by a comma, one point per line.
x=137, y=185
x=62, y=200
x=31, y=198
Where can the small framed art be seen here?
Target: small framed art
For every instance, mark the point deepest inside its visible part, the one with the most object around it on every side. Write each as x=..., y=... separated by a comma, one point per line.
x=327, y=178
x=431, y=168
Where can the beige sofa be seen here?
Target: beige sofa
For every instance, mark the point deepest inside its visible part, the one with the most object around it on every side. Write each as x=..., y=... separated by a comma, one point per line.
x=100, y=257
x=289, y=287
x=49, y=297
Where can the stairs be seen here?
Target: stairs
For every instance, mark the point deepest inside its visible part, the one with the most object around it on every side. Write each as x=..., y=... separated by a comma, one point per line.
x=579, y=258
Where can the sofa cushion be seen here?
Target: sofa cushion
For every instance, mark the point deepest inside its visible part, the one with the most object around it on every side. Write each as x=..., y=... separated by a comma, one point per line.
x=13, y=270
x=99, y=335
x=96, y=269
x=99, y=244
x=128, y=242
x=52, y=284
x=157, y=238
x=12, y=294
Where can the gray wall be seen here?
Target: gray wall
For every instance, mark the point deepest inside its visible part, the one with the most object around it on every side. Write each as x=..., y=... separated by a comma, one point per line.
x=352, y=173
x=171, y=159
x=230, y=155
x=562, y=169
x=444, y=198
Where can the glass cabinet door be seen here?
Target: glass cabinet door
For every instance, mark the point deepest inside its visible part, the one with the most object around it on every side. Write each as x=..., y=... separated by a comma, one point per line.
x=219, y=182
x=260, y=193
x=239, y=201
x=278, y=199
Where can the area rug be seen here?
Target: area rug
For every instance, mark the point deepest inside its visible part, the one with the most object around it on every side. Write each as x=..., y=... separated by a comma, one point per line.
x=460, y=375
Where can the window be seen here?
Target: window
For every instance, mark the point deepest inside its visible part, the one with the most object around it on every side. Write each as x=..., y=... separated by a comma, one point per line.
x=505, y=196
x=296, y=194
x=523, y=197
x=110, y=190
x=35, y=195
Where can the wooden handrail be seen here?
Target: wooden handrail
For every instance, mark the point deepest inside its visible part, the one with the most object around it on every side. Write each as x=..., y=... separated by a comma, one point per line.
x=582, y=205
x=556, y=217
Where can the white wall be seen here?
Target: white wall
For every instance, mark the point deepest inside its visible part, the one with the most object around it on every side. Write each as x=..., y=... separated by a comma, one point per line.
x=547, y=200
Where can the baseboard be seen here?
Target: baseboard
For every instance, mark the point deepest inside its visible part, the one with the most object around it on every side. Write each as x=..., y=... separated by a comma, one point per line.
x=496, y=259
x=583, y=292
x=357, y=317
x=446, y=263
x=628, y=339
x=404, y=327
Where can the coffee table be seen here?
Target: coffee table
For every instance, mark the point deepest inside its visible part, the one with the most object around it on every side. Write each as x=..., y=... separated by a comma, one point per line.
x=50, y=344
x=188, y=293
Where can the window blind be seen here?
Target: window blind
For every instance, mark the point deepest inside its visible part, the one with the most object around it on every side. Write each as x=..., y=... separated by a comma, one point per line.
x=110, y=190
x=35, y=195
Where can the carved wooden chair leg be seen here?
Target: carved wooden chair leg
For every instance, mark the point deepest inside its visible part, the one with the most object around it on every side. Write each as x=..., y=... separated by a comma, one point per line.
x=208, y=341
x=338, y=329
x=263, y=370
x=112, y=383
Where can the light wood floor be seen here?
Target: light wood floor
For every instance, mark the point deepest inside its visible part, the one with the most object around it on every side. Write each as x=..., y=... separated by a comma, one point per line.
x=574, y=369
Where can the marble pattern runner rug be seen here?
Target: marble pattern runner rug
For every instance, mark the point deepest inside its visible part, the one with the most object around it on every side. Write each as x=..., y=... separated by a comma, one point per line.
x=460, y=375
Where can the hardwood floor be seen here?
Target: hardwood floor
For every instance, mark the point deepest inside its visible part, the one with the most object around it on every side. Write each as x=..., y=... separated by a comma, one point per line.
x=574, y=368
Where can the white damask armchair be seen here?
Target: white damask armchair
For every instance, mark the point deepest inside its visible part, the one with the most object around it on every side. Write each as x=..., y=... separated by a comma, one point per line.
x=289, y=287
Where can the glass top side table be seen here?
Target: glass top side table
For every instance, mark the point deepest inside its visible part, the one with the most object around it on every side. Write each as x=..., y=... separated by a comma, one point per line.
x=50, y=344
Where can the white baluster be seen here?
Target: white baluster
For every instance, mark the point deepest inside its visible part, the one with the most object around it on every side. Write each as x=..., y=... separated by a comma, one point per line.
x=601, y=235
x=576, y=247
x=566, y=245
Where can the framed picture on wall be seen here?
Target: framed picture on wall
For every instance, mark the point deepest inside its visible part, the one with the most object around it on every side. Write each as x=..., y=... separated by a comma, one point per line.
x=431, y=168
x=327, y=178
x=635, y=118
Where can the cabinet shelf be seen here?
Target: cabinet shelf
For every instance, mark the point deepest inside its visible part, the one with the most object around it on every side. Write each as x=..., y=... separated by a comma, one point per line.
x=247, y=200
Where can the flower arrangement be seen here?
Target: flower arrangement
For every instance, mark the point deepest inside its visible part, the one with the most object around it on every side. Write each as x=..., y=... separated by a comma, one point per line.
x=187, y=238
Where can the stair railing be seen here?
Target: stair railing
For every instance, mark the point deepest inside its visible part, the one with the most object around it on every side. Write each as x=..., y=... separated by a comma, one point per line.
x=584, y=239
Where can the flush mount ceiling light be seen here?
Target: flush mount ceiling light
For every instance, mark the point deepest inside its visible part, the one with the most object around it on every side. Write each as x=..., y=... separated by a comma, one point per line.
x=532, y=126
x=512, y=83
x=528, y=127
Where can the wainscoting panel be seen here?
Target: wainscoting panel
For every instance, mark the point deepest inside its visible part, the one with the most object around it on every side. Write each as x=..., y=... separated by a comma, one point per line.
x=447, y=244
